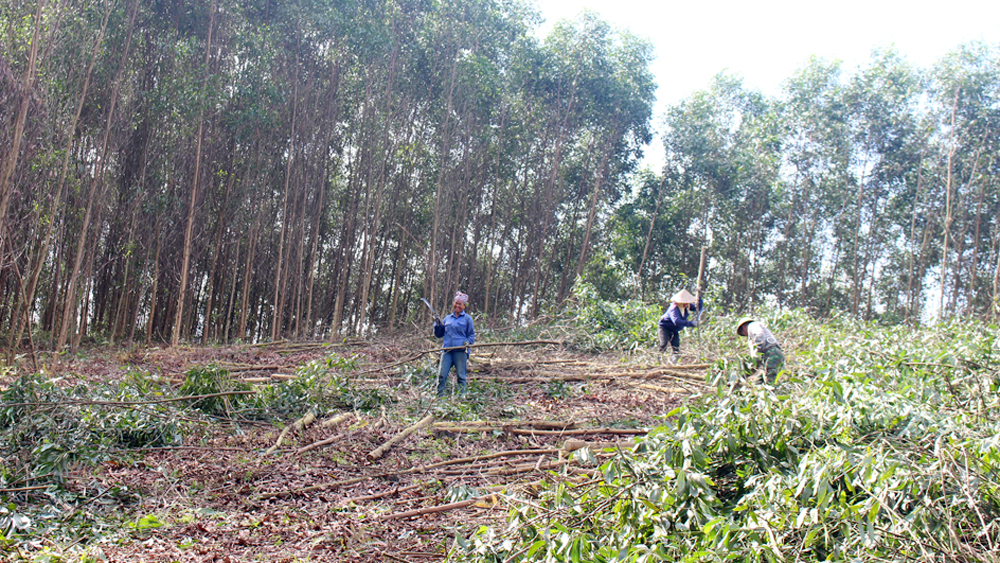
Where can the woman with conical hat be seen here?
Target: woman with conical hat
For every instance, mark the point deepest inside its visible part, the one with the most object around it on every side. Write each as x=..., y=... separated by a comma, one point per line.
x=764, y=347
x=675, y=319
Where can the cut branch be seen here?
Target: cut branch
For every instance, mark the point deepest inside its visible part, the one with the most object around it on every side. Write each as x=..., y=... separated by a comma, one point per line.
x=439, y=508
x=320, y=443
x=129, y=403
x=297, y=425
x=381, y=450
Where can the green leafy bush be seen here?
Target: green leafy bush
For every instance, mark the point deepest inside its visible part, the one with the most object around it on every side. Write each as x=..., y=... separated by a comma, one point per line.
x=45, y=427
x=211, y=380
x=606, y=325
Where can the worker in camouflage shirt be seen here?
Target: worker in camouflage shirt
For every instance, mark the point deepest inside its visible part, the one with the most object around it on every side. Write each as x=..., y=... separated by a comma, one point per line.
x=764, y=347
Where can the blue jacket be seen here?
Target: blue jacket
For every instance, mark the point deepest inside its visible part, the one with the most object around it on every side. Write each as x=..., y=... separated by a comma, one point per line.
x=456, y=330
x=674, y=319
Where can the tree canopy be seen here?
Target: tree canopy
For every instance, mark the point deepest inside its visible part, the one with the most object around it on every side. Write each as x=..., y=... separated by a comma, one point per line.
x=245, y=169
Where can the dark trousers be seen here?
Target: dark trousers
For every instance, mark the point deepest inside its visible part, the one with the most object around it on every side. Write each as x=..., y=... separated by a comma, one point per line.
x=669, y=336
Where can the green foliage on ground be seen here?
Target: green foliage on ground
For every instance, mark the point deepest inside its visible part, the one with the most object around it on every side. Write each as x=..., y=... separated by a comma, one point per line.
x=878, y=444
x=49, y=429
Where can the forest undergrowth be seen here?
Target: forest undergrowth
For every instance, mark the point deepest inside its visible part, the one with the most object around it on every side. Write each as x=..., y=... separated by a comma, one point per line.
x=878, y=443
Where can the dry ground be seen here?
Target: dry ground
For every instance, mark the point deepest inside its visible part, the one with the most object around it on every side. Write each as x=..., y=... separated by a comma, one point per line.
x=220, y=498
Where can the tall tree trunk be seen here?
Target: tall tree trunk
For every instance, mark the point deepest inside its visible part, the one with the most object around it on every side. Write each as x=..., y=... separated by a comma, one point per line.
x=247, y=280
x=217, y=252
x=13, y=152
x=24, y=319
x=947, y=216
x=380, y=181
x=88, y=278
x=550, y=191
x=227, y=322
x=443, y=166
x=189, y=229
x=333, y=113
x=276, y=317
x=974, y=262
x=69, y=306
x=996, y=273
x=125, y=294
x=649, y=235
x=913, y=227
x=156, y=283
x=602, y=170
x=855, y=273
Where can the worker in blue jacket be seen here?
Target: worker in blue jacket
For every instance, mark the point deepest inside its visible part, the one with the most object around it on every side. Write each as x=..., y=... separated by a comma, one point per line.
x=457, y=330
x=675, y=319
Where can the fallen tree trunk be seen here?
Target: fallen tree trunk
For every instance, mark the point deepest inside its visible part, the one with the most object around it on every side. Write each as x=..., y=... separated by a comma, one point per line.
x=571, y=378
x=529, y=467
x=419, y=469
x=381, y=450
x=678, y=367
x=238, y=368
x=321, y=443
x=540, y=424
x=532, y=432
x=297, y=425
x=484, y=345
x=313, y=488
x=669, y=390
x=573, y=445
x=334, y=421
x=439, y=508
x=128, y=403
x=328, y=423
x=473, y=459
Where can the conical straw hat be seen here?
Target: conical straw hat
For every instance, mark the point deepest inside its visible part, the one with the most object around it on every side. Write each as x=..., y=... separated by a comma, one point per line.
x=683, y=296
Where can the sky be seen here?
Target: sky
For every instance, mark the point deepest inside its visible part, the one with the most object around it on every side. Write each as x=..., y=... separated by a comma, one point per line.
x=765, y=41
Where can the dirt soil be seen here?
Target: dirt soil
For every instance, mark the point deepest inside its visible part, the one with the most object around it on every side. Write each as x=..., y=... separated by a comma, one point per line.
x=220, y=498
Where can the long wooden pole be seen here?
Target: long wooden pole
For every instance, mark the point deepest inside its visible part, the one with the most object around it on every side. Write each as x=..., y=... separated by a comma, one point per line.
x=701, y=272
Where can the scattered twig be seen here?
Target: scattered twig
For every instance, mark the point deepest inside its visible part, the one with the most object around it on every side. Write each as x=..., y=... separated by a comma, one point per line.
x=383, y=494
x=22, y=489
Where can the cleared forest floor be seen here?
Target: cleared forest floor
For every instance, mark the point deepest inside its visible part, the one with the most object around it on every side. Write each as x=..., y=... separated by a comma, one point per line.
x=322, y=496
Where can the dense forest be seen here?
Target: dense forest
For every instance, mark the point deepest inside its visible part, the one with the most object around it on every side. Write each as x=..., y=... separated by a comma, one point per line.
x=216, y=170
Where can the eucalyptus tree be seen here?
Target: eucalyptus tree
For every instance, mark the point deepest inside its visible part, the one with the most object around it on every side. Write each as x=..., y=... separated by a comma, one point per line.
x=966, y=92
x=880, y=104
x=722, y=144
x=816, y=153
x=25, y=90
x=598, y=97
